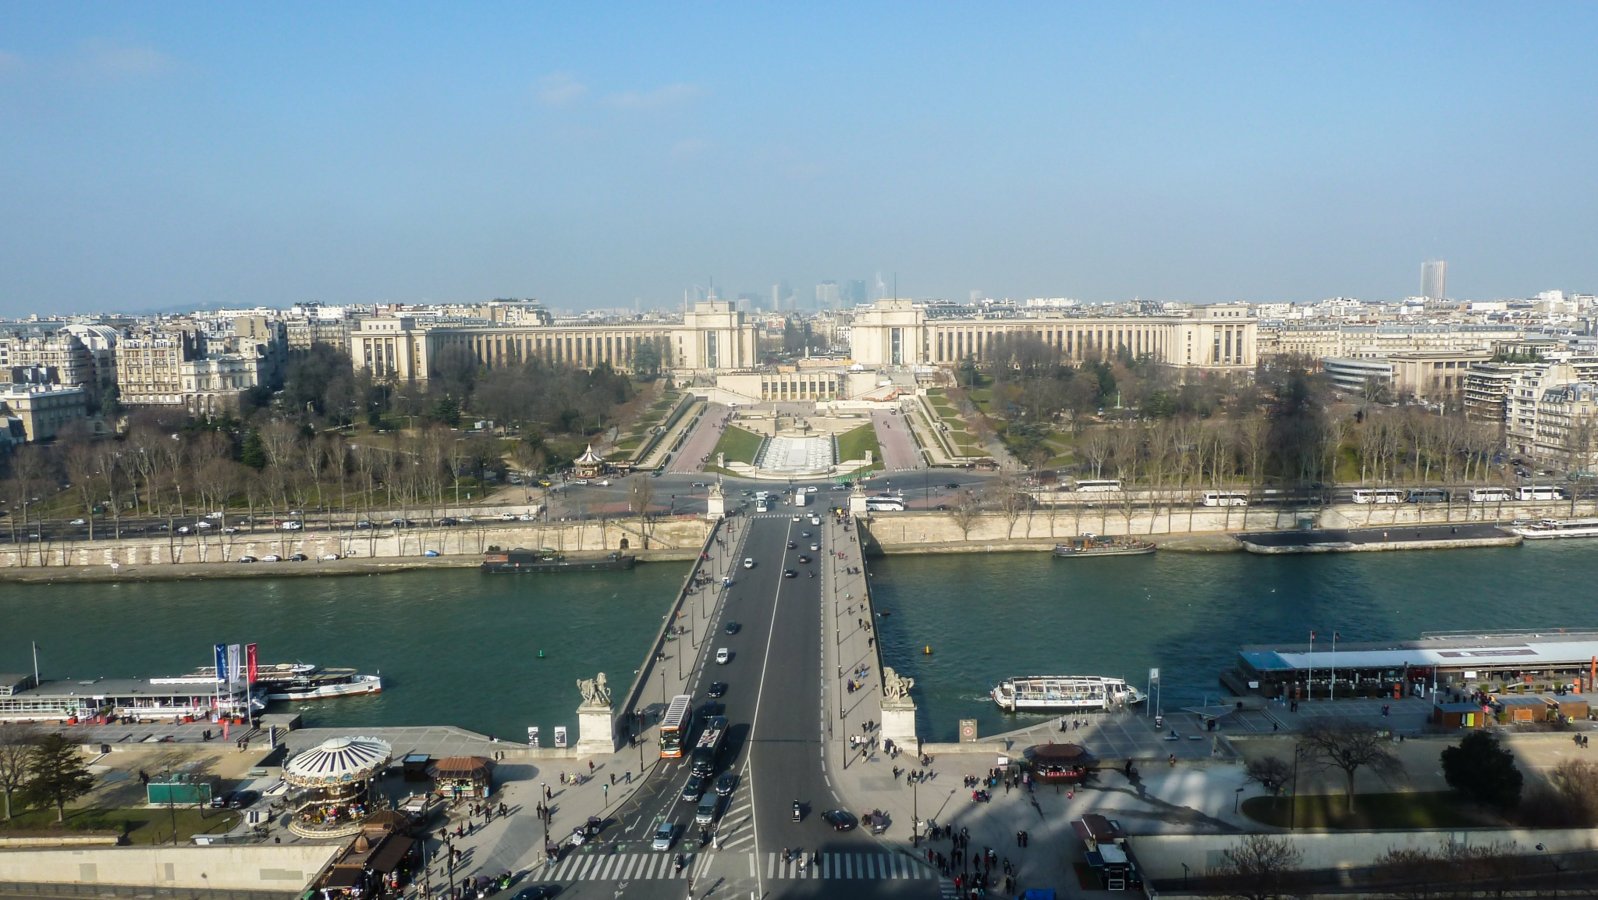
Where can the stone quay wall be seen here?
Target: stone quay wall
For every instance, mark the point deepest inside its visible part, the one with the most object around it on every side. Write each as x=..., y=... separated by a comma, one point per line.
x=1041, y=528
x=679, y=536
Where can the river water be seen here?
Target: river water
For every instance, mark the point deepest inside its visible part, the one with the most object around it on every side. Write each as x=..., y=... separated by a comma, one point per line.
x=454, y=646
x=457, y=647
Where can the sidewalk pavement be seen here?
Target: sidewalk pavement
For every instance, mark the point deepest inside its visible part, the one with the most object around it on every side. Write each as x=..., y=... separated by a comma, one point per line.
x=575, y=789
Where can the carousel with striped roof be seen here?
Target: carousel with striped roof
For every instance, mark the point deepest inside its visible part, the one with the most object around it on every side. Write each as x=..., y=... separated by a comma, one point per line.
x=337, y=780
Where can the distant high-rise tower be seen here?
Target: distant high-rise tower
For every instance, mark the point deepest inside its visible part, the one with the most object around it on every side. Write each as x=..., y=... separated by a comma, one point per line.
x=827, y=295
x=857, y=291
x=1434, y=279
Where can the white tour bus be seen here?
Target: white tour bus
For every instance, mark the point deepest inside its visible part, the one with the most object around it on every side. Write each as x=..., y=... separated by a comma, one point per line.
x=1379, y=495
x=1539, y=492
x=1224, y=498
x=1490, y=495
x=1097, y=485
x=884, y=504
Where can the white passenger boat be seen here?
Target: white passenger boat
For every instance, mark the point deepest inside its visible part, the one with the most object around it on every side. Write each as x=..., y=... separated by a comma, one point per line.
x=285, y=682
x=1064, y=693
x=1544, y=529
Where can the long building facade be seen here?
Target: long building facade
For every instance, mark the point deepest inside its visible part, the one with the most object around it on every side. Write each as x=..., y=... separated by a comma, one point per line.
x=712, y=337
x=901, y=333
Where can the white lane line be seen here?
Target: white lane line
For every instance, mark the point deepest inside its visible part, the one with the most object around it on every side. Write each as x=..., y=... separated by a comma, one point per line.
x=754, y=724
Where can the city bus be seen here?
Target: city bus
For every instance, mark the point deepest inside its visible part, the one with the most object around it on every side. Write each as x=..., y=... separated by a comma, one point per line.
x=1490, y=495
x=1379, y=495
x=709, y=746
x=676, y=726
x=1096, y=485
x=884, y=504
x=1539, y=492
x=1428, y=495
x=1224, y=498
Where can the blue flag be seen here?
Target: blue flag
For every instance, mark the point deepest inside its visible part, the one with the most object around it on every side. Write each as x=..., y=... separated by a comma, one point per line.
x=221, y=662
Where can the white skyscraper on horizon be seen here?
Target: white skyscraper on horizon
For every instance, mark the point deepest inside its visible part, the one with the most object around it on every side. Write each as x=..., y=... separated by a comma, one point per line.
x=1434, y=279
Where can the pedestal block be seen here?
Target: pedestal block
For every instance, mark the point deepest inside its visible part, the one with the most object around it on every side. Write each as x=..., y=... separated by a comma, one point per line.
x=596, y=734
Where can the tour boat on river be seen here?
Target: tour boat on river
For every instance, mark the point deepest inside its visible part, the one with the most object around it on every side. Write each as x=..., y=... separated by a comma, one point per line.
x=1543, y=529
x=536, y=562
x=1095, y=545
x=288, y=682
x=1064, y=693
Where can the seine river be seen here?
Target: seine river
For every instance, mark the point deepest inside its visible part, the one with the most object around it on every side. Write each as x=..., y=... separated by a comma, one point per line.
x=457, y=647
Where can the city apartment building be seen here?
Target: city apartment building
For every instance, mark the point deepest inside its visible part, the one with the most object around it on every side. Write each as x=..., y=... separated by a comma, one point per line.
x=711, y=337
x=1339, y=340
x=1566, y=428
x=79, y=356
x=42, y=410
x=149, y=363
x=905, y=333
x=1538, y=416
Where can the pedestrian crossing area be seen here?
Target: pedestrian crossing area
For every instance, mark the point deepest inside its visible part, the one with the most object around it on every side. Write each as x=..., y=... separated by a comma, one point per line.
x=655, y=865
x=870, y=866
x=623, y=867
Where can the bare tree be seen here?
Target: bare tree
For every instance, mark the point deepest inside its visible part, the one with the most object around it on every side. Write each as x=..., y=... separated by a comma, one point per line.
x=1261, y=867
x=1012, y=501
x=1348, y=747
x=1269, y=772
x=965, y=513
x=640, y=493
x=17, y=741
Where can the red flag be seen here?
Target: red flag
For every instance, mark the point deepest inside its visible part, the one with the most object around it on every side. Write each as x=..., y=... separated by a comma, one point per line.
x=1312, y=635
x=249, y=656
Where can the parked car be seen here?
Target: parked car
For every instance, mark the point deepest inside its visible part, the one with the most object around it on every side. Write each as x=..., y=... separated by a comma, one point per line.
x=298, y=557
x=271, y=557
x=364, y=523
x=292, y=526
x=78, y=522
x=331, y=556
x=247, y=559
x=229, y=529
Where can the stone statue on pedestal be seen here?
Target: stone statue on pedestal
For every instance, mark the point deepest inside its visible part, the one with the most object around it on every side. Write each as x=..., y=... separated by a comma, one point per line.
x=595, y=691
x=894, y=685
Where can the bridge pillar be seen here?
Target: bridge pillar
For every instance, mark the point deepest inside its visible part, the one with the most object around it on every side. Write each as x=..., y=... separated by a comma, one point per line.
x=716, y=503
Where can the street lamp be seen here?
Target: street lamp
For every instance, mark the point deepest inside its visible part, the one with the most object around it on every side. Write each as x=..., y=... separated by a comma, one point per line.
x=1236, y=799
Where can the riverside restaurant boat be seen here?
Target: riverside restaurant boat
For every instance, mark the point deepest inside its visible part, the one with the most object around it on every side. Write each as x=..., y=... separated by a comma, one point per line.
x=546, y=561
x=23, y=698
x=288, y=682
x=1544, y=529
x=1064, y=693
x=1094, y=545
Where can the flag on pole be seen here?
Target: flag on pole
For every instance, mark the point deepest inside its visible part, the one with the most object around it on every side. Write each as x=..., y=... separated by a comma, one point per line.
x=233, y=663
x=221, y=662
x=1336, y=637
x=1312, y=635
x=249, y=660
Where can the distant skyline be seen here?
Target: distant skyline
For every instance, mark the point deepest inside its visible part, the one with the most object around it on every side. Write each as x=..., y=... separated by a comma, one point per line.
x=185, y=154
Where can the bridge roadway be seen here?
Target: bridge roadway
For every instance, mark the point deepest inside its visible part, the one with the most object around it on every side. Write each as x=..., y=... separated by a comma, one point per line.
x=778, y=726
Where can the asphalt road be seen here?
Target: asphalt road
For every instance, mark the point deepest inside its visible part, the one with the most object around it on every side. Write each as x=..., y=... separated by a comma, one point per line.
x=777, y=723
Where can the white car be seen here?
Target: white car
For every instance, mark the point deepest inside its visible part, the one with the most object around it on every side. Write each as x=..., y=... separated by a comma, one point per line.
x=331, y=556
x=749, y=563
x=507, y=517
x=723, y=656
x=665, y=834
x=580, y=481
x=203, y=525
x=798, y=518
x=78, y=522
x=603, y=482
x=292, y=526
x=811, y=489
x=527, y=517
x=213, y=515
x=271, y=557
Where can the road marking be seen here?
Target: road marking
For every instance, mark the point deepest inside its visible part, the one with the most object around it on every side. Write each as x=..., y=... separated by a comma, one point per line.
x=754, y=724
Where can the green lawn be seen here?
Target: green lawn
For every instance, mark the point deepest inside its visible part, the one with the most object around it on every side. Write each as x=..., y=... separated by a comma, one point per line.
x=738, y=444
x=854, y=443
x=152, y=825
x=1372, y=812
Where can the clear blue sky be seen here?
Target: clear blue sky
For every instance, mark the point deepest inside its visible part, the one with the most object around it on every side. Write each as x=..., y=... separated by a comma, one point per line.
x=167, y=154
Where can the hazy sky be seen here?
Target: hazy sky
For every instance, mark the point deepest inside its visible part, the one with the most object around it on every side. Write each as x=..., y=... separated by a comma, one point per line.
x=158, y=154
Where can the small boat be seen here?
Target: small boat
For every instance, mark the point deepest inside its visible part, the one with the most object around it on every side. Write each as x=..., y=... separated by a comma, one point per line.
x=1094, y=545
x=1064, y=693
x=1544, y=529
x=519, y=561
